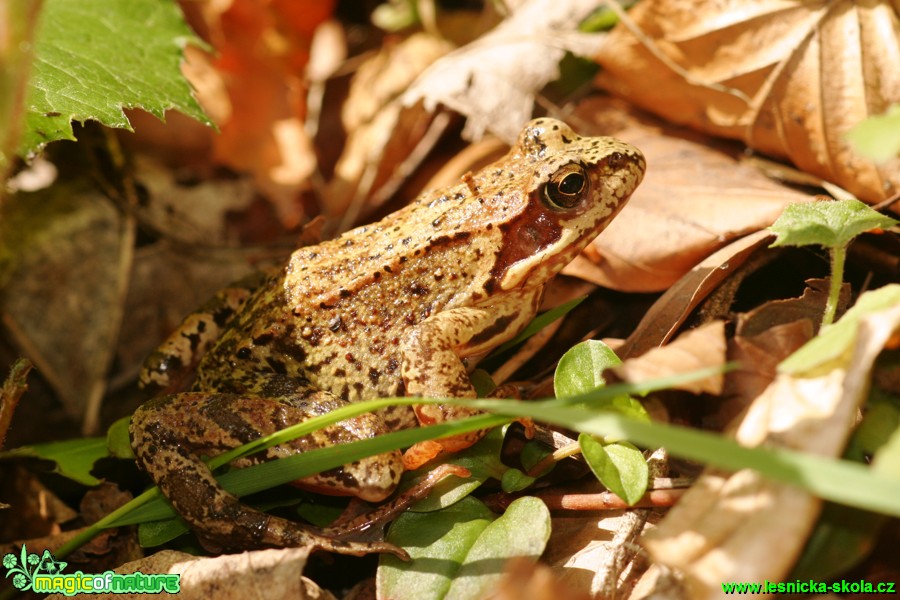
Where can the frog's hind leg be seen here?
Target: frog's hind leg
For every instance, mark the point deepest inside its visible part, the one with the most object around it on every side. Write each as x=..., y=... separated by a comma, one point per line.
x=170, y=433
x=170, y=368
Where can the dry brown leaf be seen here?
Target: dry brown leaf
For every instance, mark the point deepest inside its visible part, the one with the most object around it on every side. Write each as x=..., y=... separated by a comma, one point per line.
x=695, y=199
x=191, y=214
x=788, y=78
x=493, y=80
x=63, y=280
x=525, y=579
x=35, y=509
x=725, y=528
x=253, y=87
x=694, y=349
x=668, y=313
x=275, y=574
x=757, y=357
x=381, y=135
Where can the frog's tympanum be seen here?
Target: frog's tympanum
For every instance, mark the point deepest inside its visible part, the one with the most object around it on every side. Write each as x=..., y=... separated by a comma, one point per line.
x=404, y=306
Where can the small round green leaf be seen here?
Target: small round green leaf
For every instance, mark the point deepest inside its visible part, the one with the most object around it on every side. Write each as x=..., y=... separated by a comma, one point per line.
x=878, y=137
x=437, y=543
x=580, y=370
x=461, y=551
x=514, y=480
x=620, y=467
x=118, y=439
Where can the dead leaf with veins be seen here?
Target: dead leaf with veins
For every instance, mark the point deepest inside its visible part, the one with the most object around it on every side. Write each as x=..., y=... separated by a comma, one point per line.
x=790, y=79
x=695, y=198
x=493, y=80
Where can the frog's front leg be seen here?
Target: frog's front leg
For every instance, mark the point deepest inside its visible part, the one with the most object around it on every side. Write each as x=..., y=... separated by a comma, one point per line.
x=171, y=433
x=433, y=367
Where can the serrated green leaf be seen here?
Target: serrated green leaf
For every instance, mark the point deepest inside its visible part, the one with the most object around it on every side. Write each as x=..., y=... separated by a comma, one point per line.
x=878, y=137
x=460, y=552
x=73, y=458
x=92, y=59
x=832, y=224
x=620, y=467
x=580, y=370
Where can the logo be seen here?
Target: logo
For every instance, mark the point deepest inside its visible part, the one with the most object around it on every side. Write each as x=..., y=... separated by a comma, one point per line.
x=43, y=574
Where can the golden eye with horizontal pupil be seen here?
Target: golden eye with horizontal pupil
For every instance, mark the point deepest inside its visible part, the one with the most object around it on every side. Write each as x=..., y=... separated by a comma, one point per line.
x=565, y=187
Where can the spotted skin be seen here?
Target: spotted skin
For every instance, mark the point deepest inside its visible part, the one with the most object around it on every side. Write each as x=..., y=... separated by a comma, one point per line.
x=404, y=306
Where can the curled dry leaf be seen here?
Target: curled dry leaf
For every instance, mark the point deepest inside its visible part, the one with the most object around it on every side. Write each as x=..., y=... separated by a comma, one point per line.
x=788, y=78
x=695, y=349
x=672, y=309
x=493, y=80
x=724, y=529
x=695, y=198
x=381, y=135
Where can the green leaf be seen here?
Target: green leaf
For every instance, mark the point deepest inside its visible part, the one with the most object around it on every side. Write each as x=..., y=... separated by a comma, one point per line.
x=829, y=223
x=620, y=467
x=94, y=58
x=437, y=544
x=523, y=530
x=887, y=459
x=73, y=458
x=880, y=421
x=581, y=369
x=878, y=137
x=483, y=462
x=460, y=552
x=835, y=341
x=118, y=440
x=514, y=480
x=836, y=480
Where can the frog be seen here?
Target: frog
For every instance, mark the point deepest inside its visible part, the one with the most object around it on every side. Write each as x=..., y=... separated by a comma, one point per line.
x=405, y=306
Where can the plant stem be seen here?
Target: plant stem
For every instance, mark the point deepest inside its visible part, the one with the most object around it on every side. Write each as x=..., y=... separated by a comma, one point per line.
x=838, y=254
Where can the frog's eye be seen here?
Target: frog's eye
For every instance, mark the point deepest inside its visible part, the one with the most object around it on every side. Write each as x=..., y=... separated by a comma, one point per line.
x=566, y=186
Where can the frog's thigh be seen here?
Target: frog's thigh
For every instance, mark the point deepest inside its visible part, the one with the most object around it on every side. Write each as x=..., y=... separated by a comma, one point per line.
x=169, y=435
x=433, y=350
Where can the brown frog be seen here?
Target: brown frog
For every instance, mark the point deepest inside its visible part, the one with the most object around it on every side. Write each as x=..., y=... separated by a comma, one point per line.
x=404, y=306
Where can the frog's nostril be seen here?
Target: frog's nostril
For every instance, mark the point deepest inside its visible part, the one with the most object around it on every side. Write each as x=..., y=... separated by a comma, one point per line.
x=616, y=160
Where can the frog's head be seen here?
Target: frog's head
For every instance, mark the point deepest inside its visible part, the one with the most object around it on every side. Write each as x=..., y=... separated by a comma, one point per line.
x=577, y=185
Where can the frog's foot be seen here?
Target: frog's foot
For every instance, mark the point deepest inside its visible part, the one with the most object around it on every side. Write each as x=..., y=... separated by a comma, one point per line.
x=390, y=510
x=282, y=533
